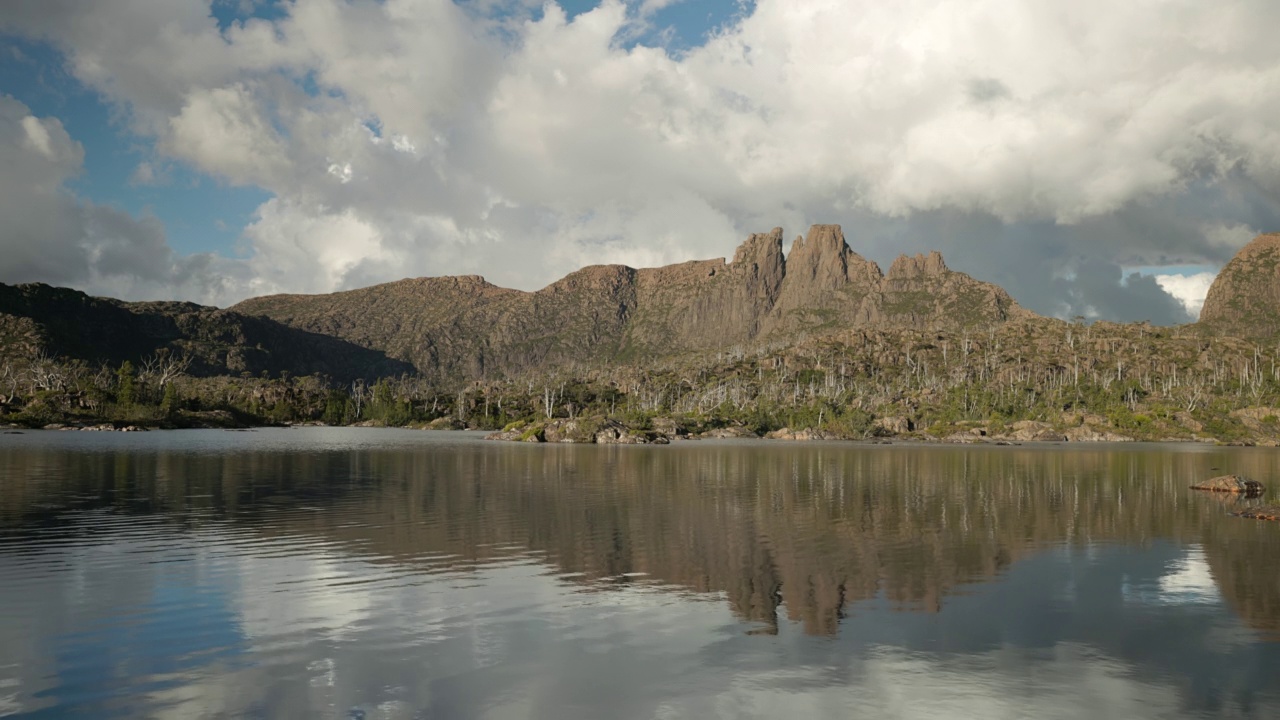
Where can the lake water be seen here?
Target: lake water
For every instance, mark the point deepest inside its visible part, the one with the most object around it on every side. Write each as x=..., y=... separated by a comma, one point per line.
x=363, y=573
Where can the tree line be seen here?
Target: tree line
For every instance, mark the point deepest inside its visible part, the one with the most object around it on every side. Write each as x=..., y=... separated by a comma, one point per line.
x=1141, y=381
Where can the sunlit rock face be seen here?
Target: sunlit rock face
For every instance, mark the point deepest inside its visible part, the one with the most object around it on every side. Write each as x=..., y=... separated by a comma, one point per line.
x=613, y=312
x=1245, y=297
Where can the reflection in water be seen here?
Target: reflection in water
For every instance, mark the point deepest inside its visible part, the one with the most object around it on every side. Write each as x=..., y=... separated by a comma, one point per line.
x=309, y=573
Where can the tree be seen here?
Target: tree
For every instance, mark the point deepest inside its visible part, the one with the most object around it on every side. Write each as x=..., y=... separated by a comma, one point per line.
x=358, y=392
x=126, y=385
x=169, y=403
x=164, y=367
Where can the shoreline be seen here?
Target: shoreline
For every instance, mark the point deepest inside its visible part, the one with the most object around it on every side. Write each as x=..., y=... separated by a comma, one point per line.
x=783, y=437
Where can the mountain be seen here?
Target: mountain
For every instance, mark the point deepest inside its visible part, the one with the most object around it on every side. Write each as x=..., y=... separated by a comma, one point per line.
x=1244, y=299
x=36, y=318
x=466, y=327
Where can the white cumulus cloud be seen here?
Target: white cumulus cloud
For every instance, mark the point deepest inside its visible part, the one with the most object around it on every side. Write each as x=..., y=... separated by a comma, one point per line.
x=432, y=137
x=1190, y=290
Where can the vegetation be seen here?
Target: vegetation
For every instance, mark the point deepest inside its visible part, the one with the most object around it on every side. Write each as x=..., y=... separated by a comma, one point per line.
x=1021, y=380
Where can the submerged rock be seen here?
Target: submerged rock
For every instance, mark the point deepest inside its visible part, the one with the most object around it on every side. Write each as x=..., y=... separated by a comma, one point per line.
x=1266, y=512
x=1231, y=484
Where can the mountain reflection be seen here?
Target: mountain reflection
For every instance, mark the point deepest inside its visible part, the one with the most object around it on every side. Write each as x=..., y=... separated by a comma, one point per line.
x=805, y=531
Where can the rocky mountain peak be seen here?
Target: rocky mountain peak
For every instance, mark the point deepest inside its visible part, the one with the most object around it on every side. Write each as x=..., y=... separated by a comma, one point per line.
x=760, y=248
x=594, y=277
x=914, y=266
x=823, y=260
x=821, y=254
x=1245, y=297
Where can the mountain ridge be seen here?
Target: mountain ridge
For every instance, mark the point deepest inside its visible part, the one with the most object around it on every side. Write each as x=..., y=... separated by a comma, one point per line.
x=452, y=327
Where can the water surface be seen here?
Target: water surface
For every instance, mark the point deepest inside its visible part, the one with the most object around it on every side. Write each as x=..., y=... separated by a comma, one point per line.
x=349, y=573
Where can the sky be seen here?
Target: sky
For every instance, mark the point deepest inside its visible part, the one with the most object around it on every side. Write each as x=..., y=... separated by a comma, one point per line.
x=1094, y=158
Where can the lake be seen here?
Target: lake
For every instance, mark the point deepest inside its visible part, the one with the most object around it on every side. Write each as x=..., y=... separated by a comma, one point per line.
x=368, y=573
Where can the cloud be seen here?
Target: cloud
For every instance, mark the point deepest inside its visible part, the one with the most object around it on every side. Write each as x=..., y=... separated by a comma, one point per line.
x=52, y=236
x=1190, y=290
x=222, y=131
x=431, y=137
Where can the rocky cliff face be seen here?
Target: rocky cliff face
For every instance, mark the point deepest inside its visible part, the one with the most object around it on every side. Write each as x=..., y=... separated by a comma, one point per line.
x=465, y=327
x=1244, y=299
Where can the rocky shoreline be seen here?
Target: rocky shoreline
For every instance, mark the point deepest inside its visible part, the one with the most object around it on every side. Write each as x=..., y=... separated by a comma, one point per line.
x=601, y=431
x=597, y=430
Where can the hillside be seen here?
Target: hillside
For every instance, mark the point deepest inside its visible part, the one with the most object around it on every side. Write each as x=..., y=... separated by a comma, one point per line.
x=465, y=327
x=36, y=319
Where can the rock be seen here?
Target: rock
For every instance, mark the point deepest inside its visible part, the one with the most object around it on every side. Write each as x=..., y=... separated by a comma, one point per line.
x=466, y=327
x=729, y=432
x=1088, y=434
x=518, y=432
x=1184, y=419
x=1265, y=512
x=805, y=434
x=1033, y=431
x=1257, y=419
x=54, y=426
x=1230, y=484
x=669, y=427
x=568, y=431
x=896, y=425
x=616, y=434
x=446, y=423
x=1244, y=297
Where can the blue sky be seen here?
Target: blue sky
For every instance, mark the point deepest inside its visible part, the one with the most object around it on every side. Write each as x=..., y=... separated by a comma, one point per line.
x=200, y=213
x=217, y=150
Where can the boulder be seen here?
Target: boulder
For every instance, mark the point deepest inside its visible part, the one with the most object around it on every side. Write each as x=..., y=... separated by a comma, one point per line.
x=896, y=425
x=1085, y=433
x=669, y=427
x=805, y=434
x=569, y=431
x=615, y=434
x=518, y=432
x=1033, y=431
x=1231, y=484
x=735, y=431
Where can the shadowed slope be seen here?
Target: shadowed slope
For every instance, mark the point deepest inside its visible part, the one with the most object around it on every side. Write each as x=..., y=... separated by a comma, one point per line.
x=37, y=318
